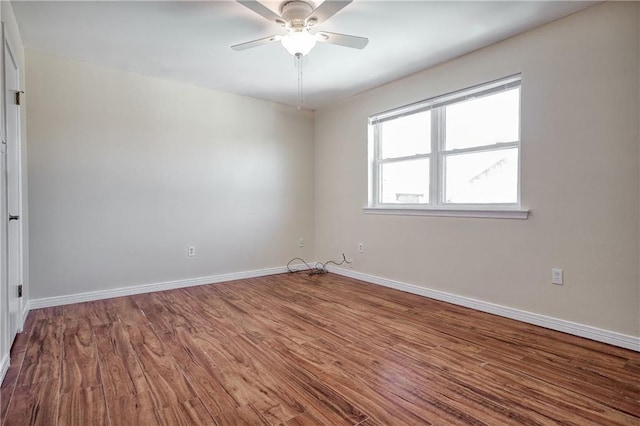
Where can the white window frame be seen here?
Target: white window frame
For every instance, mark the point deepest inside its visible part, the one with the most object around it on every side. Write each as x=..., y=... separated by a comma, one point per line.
x=436, y=205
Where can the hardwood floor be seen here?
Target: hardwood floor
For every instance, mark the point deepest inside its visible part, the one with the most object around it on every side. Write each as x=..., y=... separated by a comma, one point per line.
x=300, y=350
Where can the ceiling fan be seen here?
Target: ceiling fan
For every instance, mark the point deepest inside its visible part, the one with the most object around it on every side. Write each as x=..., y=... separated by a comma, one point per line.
x=299, y=17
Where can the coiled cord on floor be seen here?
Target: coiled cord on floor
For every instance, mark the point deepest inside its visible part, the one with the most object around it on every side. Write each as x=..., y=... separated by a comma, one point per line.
x=318, y=268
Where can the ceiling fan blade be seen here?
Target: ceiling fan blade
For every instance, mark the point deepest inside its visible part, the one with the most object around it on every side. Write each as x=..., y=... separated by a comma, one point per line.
x=260, y=9
x=326, y=10
x=343, y=40
x=256, y=43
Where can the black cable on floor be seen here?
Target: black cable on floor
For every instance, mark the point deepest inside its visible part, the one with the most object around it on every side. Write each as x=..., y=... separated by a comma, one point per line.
x=318, y=268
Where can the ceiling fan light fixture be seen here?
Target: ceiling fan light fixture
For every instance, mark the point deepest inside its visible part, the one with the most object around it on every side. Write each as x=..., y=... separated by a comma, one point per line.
x=298, y=41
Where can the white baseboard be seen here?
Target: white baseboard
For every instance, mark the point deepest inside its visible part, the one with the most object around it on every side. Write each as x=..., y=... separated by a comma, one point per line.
x=589, y=332
x=26, y=307
x=4, y=366
x=68, y=299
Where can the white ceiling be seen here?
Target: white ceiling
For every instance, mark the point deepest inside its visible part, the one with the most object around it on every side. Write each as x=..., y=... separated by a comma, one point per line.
x=189, y=41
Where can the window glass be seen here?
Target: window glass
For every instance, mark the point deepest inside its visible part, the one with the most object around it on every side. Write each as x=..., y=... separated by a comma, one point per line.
x=405, y=182
x=405, y=136
x=483, y=121
x=482, y=177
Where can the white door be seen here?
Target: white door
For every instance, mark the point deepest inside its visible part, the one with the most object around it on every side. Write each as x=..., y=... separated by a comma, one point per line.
x=13, y=189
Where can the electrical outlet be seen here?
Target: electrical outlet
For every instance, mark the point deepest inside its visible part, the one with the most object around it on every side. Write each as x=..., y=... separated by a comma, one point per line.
x=360, y=247
x=557, y=276
x=191, y=251
x=301, y=242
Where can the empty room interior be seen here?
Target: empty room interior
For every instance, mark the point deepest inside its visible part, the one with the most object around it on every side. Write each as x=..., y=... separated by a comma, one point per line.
x=320, y=212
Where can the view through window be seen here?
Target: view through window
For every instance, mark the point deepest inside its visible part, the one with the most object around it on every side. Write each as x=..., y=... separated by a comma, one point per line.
x=455, y=151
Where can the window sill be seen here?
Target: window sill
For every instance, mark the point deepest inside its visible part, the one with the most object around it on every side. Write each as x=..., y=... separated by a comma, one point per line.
x=420, y=211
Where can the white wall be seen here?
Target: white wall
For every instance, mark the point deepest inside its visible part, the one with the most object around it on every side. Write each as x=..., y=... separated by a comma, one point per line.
x=580, y=178
x=126, y=171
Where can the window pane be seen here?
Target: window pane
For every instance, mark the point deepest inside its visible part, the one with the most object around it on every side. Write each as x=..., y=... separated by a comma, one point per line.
x=404, y=136
x=482, y=177
x=483, y=121
x=405, y=182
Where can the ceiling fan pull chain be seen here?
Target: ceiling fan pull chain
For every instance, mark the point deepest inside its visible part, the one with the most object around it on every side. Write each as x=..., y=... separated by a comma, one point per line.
x=299, y=66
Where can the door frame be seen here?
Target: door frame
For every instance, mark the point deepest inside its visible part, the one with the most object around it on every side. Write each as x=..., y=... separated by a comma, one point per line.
x=7, y=47
x=4, y=278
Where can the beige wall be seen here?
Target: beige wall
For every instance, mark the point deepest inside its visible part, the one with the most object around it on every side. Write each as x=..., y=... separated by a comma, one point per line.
x=126, y=171
x=580, y=178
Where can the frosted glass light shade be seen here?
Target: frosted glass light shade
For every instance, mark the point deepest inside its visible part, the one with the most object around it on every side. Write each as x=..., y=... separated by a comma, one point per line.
x=298, y=42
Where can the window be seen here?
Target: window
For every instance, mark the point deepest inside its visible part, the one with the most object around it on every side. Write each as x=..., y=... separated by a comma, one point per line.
x=458, y=152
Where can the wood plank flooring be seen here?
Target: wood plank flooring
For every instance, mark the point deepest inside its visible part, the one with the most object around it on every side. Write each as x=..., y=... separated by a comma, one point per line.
x=297, y=350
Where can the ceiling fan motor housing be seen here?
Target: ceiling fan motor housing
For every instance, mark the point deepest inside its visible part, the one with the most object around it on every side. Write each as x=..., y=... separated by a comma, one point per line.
x=299, y=17
x=295, y=12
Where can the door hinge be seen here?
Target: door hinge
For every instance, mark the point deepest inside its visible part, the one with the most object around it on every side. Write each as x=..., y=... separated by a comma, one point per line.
x=20, y=290
x=19, y=97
